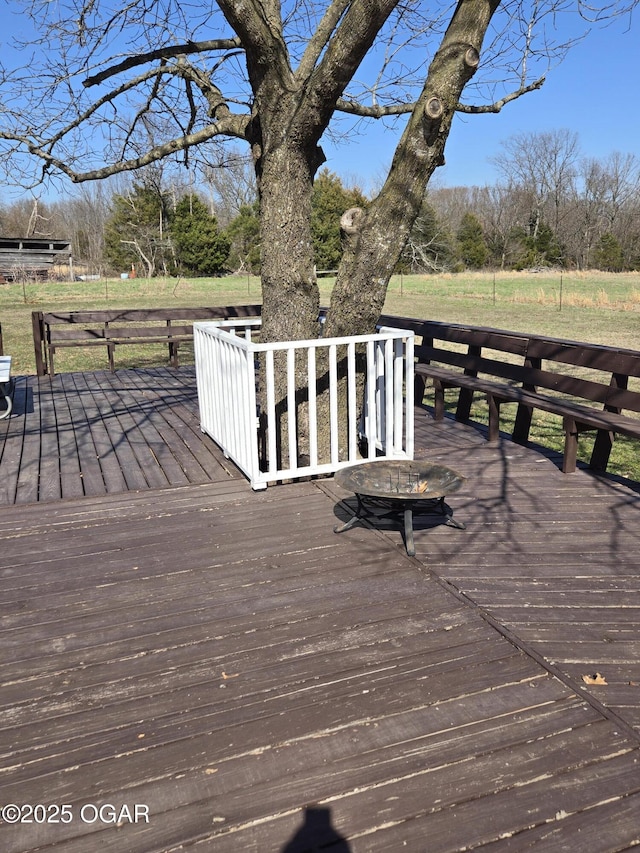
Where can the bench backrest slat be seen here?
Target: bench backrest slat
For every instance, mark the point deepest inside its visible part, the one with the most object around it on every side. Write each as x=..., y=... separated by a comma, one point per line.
x=622, y=399
x=142, y=315
x=60, y=335
x=590, y=356
x=487, y=340
x=573, y=386
x=56, y=335
x=125, y=332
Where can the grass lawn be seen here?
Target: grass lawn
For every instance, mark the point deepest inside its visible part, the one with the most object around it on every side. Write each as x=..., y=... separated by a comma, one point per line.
x=596, y=307
x=18, y=301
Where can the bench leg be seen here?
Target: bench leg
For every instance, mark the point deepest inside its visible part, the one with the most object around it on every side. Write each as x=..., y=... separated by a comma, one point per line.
x=494, y=418
x=570, y=446
x=602, y=450
x=465, y=399
x=522, y=425
x=438, y=403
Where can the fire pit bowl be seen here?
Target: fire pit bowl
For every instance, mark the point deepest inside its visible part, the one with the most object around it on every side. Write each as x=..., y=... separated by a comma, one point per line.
x=401, y=486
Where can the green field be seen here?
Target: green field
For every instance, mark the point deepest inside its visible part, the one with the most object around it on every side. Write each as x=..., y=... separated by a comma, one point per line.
x=596, y=307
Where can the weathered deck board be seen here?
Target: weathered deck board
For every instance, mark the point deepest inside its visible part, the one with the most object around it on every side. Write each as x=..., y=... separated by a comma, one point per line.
x=103, y=477
x=91, y=434
x=224, y=658
x=81, y=440
x=553, y=558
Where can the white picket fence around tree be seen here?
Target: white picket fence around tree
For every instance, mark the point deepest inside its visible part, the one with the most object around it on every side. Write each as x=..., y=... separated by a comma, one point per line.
x=227, y=361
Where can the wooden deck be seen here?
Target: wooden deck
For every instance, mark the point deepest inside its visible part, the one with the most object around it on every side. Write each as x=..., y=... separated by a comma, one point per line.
x=257, y=683
x=101, y=433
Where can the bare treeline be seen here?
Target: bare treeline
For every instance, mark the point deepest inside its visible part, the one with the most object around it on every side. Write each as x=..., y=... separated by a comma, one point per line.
x=551, y=206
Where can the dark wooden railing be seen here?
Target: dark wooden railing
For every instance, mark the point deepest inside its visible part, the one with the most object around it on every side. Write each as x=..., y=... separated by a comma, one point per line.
x=112, y=328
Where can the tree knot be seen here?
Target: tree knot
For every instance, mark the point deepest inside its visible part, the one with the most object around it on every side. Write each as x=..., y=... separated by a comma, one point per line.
x=351, y=220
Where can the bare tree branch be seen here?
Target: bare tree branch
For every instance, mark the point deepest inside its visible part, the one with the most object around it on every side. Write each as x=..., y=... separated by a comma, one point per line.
x=374, y=111
x=235, y=127
x=378, y=111
x=502, y=102
x=162, y=53
x=320, y=38
x=259, y=29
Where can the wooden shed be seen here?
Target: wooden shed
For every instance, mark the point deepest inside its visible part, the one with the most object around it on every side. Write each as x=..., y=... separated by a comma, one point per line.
x=32, y=257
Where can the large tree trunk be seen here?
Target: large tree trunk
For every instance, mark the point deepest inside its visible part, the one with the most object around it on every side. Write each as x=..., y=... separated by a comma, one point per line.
x=286, y=159
x=290, y=295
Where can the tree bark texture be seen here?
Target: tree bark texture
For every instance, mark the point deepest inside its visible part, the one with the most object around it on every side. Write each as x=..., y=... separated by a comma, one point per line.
x=290, y=295
x=291, y=111
x=375, y=239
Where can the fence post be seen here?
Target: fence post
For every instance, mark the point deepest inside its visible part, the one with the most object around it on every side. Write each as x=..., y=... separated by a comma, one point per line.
x=37, y=323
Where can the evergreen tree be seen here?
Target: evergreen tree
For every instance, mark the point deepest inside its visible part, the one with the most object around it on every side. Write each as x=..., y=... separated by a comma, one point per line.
x=540, y=247
x=135, y=231
x=548, y=246
x=473, y=247
x=329, y=201
x=608, y=254
x=244, y=237
x=200, y=248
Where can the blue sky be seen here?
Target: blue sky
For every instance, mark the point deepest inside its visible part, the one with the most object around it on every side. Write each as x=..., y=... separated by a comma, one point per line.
x=594, y=93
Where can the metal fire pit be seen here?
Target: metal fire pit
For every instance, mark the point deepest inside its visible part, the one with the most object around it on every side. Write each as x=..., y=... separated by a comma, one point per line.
x=402, y=487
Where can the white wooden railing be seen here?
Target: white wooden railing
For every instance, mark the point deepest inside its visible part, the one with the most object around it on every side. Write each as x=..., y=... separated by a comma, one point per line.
x=226, y=370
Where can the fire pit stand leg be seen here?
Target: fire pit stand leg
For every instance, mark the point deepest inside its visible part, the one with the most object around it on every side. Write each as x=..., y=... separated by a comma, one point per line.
x=408, y=532
x=448, y=512
x=362, y=512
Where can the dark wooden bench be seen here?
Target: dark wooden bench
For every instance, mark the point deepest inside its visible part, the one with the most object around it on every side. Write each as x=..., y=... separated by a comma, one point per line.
x=587, y=385
x=111, y=328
